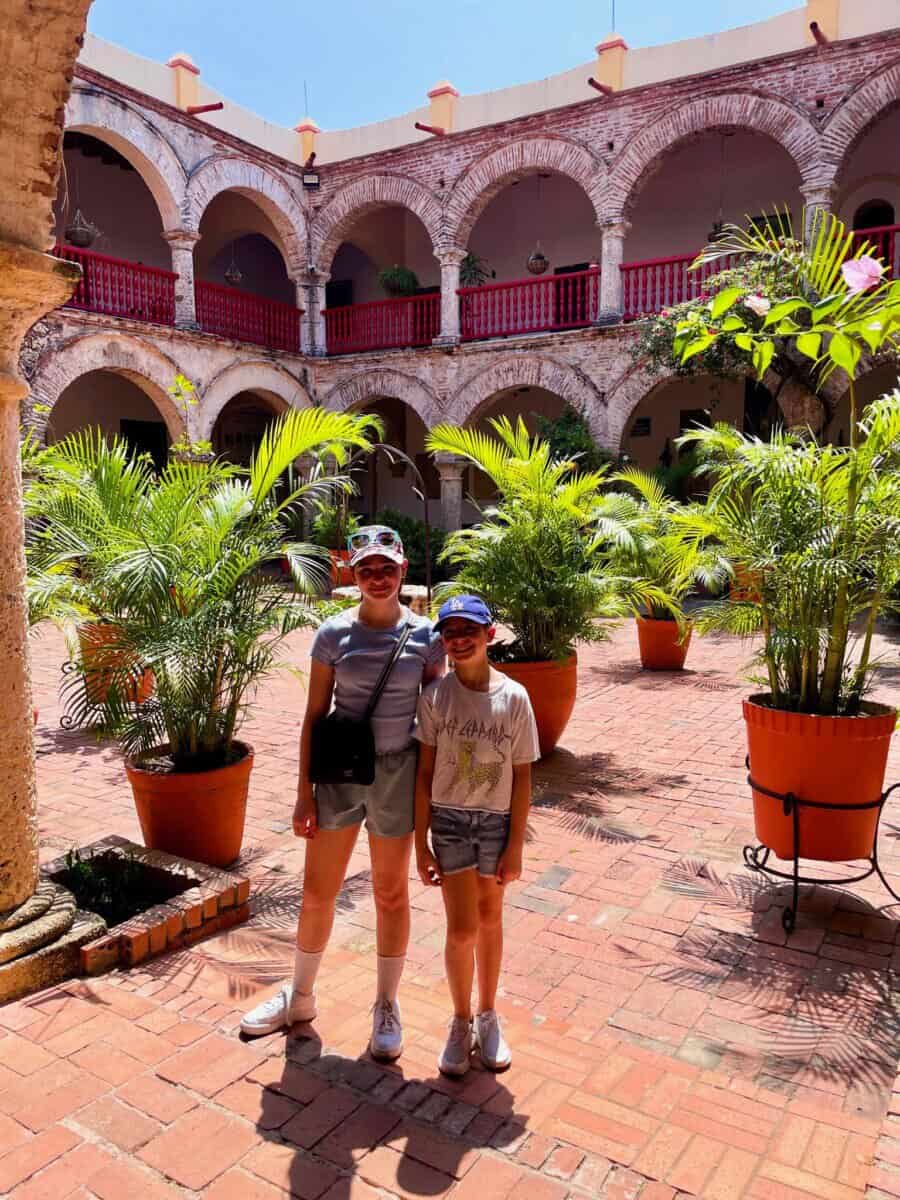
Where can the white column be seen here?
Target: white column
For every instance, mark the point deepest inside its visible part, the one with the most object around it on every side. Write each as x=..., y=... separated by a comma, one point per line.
x=450, y=262
x=816, y=199
x=451, y=469
x=312, y=325
x=612, y=304
x=182, y=243
x=301, y=302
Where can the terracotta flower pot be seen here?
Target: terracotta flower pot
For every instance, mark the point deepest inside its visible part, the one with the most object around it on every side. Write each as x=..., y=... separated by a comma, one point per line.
x=198, y=814
x=831, y=760
x=341, y=574
x=661, y=649
x=551, y=688
x=745, y=586
x=95, y=639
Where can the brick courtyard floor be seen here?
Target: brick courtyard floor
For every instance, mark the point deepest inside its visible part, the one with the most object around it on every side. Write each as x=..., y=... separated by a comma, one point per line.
x=668, y=1039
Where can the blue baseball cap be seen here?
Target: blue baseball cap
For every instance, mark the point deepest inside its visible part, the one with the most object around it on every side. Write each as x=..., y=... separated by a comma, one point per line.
x=467, y=608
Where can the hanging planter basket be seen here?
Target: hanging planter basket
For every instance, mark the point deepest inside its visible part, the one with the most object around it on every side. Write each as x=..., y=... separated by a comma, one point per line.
x=538, y=262
x=80, y=233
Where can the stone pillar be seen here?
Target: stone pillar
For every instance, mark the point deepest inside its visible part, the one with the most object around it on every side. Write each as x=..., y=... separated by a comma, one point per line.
x=31, y=284
x=451, y=469
x=450, y=262
x=612, y=305
x=182, y=243
x=312, y=325
x=816, y=198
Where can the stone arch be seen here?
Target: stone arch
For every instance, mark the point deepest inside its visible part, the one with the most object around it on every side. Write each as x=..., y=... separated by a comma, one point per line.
x=359, y=389
x=254, y=376
x=489, y=175
x=856, y=113
x=136, y=138
x=124, y=354
x=372, y=191
x=532, y=370
x=644, y=153
x=232, y=172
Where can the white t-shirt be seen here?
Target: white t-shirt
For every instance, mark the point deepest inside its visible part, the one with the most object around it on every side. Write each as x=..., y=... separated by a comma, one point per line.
x=479, y=737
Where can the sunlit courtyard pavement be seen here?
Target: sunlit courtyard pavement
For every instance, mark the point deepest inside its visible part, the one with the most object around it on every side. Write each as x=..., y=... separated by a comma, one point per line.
x=668, y=1038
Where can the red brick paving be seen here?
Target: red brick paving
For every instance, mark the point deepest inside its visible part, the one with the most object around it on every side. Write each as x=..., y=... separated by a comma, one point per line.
x=669, y=1039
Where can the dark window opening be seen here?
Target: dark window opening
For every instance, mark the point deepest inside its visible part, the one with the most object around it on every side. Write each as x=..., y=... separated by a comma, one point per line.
x=873, y=214
x=338, y=293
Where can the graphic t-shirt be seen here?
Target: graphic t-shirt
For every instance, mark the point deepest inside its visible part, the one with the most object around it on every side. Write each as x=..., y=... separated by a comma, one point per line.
x=479, y=738
x=358, y=654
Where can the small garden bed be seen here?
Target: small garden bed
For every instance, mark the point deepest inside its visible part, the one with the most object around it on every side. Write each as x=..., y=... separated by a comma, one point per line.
x=152, y=901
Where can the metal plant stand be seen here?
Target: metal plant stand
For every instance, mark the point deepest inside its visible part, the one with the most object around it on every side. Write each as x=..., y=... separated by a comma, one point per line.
x=756, y=857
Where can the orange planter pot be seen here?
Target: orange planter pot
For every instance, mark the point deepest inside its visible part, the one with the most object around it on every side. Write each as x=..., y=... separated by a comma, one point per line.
x=341, y=574
x=197, y=815
x=551, y=688
x=95, y=639
x=659, y=643
x=831, y=760
x=745, y=586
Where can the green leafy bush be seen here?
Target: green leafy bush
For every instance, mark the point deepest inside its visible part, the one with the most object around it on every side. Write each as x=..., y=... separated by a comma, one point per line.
x=536, y=556
x=399, y=281
x=412, y=533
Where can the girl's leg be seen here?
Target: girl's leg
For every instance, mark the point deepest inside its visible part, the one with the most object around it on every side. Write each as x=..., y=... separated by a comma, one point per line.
x=327, y=856
x=460, y=893
x=390, y=884
x=489, y=948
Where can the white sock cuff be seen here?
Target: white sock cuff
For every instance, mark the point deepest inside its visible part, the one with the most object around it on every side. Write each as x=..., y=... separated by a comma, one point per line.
x=306, y=968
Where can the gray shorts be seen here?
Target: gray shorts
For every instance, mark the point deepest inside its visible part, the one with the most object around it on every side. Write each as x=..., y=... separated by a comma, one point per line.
x=388, y=805
x=464, y=839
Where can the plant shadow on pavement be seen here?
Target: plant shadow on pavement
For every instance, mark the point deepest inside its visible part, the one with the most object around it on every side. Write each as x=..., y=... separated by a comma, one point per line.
x=357, y=1117
x=801, y=1019
x=584, y=792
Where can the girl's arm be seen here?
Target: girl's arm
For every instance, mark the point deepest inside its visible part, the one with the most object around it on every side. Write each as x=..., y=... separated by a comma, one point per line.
x=426, y=863
x=318, y=703
x=510, y=865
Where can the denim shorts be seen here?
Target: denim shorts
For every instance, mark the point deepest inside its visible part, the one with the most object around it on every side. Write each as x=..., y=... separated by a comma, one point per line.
x=388, y=804
x=466, y=838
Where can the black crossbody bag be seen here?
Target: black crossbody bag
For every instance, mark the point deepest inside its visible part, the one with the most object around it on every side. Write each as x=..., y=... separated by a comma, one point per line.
x=342, y=749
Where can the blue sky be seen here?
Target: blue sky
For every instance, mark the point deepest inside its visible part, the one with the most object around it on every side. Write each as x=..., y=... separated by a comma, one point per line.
x=364, y=60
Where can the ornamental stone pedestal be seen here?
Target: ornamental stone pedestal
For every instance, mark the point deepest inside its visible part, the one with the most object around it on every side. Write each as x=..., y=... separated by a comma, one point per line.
x=451, y=469
x=40, y=930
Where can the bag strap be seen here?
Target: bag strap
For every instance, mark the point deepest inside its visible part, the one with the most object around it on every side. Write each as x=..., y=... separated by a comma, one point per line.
x=388, y=667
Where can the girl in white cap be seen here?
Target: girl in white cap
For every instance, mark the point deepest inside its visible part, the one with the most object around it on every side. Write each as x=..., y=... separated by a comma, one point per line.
x=349, y=654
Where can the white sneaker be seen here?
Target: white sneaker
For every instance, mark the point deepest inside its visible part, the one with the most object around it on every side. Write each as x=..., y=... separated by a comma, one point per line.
x=278, y=1012
x=454, y=1058
x=387, y=1032
x=491, y=1043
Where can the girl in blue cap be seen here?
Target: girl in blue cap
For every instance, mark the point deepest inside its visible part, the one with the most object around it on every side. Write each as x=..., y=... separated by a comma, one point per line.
x=478, y=739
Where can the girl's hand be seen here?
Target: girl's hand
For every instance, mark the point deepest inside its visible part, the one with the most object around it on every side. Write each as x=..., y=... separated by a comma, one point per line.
x=305, y=820
x=509, y=868
x=427, y=866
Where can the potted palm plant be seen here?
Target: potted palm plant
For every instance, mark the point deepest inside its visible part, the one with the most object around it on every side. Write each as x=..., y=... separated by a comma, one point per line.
x=638, y=526
x=537, y=559
x=187, y=559
x=817, y=528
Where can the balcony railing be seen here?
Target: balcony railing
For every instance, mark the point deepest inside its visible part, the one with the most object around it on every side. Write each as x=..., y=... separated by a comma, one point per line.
x=529, y=305
x=231, y=313
x=121, y=288
x=383, y=324
x=658, y=283
x=885, y=242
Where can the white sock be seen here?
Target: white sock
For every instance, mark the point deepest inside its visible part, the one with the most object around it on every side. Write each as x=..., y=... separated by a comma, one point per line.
x=390, y=968
x=306, y=968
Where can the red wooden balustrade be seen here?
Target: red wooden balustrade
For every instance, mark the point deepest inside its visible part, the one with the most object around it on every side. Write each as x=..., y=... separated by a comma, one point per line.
x=529, y=305
x=383, y=324
x=883, y=243
x=121, y=288
x=658, y=283
x=232, y=313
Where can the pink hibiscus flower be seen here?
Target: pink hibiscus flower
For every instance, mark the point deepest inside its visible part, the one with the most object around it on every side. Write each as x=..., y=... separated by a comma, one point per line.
x=861, y=273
